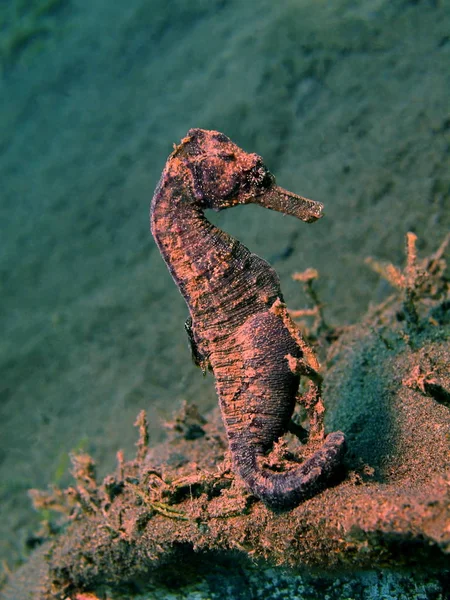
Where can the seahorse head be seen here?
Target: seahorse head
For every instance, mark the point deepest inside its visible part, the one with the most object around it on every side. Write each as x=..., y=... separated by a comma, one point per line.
x=221, y=175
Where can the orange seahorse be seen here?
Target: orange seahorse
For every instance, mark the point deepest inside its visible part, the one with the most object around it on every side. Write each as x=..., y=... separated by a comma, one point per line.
x=231, y=294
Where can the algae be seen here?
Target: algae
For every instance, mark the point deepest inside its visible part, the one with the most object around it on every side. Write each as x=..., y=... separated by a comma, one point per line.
x=23, y=26
x=177, y=506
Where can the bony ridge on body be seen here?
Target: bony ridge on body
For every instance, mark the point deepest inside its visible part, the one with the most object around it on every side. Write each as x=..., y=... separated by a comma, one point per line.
x=237, y=327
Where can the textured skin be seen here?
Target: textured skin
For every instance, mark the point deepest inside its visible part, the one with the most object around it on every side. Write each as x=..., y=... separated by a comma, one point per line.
x=231, y=293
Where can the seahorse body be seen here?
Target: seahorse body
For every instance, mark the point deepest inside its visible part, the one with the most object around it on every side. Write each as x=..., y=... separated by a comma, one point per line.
x=230, y=293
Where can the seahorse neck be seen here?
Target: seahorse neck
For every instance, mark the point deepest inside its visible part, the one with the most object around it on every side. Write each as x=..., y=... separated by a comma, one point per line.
x=191, y=246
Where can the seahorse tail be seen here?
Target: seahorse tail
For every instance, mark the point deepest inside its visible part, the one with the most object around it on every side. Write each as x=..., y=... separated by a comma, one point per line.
x=282, y=491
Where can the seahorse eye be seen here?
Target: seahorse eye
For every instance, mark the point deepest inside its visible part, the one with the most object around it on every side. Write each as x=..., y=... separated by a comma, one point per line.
x=261, y=177
x=268, y=179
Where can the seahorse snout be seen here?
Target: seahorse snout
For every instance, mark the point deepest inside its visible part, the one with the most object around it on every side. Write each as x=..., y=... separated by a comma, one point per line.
x=276, y=198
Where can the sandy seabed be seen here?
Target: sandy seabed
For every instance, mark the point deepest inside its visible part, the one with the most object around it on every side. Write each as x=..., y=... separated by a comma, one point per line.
x=347, y=103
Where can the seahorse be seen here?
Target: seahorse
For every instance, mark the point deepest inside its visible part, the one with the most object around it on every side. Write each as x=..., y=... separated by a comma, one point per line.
x=234, y=328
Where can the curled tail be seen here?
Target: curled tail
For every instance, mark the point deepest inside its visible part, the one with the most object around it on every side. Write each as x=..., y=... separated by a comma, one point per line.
x=257, y=401
x=285, y=490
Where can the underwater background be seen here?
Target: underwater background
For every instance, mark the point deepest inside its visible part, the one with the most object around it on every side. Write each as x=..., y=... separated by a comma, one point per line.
x=346, y=101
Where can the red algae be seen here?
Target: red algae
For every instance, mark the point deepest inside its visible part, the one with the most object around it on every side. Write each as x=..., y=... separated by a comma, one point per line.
x=386, y=384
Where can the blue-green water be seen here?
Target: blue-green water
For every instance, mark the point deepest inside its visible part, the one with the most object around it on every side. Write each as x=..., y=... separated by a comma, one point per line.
x=348, y=104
